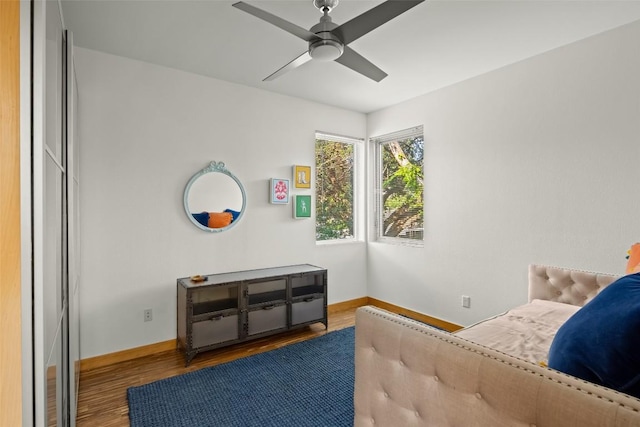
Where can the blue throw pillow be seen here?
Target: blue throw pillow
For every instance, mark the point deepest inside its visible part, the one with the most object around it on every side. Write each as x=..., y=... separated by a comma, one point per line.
x=202, y=218
x=234, y=214
x=601, y=341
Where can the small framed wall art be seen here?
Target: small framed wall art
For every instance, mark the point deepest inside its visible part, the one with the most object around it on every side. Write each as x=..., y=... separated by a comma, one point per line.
x=302, y=176
x=279, y=191
x=302, y=206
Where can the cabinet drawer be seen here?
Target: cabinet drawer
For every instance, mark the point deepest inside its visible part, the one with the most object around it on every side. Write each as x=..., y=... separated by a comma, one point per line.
x=307, y=311
x=267, y=319
x=214, y=331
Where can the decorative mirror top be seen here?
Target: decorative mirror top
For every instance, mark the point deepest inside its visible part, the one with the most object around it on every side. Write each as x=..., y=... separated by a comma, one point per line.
x=215, y=167
x=214, y=198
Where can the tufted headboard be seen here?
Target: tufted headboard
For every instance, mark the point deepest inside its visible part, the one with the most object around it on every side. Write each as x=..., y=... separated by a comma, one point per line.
x=565, y=285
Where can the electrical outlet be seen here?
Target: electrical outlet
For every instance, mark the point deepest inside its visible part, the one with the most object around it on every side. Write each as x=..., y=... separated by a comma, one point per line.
x=148, y=315
x=466, y=301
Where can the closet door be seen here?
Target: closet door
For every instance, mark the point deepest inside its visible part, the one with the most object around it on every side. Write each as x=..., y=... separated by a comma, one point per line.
x=73, y=208
x=50, y=216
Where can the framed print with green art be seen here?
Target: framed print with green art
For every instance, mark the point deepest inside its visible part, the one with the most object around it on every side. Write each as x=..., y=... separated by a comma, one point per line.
x=302, y=206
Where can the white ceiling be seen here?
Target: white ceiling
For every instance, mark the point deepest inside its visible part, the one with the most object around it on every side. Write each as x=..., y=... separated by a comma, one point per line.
x=435, y=44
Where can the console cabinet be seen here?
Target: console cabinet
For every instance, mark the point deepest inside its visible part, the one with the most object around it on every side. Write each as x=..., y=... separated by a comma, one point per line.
x=228, y=308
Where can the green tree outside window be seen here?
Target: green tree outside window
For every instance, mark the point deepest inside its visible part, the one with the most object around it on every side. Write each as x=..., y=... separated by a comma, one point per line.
x=402, y=188
x=334, y=190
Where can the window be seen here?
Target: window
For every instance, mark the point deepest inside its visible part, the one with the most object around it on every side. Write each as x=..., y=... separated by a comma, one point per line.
x=400, y=186
x=335, y=184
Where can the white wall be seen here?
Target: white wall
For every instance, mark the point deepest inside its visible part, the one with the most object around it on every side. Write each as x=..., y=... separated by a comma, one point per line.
x=144, y=131
x=533, y=163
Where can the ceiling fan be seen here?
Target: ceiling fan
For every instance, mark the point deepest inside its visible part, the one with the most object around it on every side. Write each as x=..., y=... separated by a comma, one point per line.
x=328, y=41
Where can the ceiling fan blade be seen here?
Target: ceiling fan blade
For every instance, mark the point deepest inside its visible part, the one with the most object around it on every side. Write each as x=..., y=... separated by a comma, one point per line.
x=372, y=19
x=277, y=21
x=352, y=59
x=305, y=57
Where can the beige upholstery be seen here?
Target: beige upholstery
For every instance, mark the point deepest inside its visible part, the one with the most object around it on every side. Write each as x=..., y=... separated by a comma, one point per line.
x=525, y=332
x=409, y=374
x=564, y=285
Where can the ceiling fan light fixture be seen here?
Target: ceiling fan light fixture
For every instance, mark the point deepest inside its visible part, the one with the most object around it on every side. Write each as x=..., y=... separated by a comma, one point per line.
x=326, y=50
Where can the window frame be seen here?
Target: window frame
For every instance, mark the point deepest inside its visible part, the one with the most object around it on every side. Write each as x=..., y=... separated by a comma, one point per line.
x=357, y=144
x=377, y=144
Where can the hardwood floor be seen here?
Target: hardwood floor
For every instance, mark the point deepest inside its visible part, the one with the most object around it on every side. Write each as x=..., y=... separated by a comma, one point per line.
x=102, y=399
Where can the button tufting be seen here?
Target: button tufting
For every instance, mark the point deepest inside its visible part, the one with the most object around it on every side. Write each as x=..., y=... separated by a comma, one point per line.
x=401, y=363
x=478, y=395
x=417, y=414
x=435, y=378
x=559, y=293
x=584, y=297
x=373, y=421
x=386, y=394
x=532, y=425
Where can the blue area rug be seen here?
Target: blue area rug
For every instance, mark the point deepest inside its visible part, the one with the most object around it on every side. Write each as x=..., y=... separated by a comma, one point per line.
x=304, y=384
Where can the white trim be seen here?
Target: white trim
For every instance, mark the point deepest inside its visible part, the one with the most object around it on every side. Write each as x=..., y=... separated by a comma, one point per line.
x=358, y=184
x=26, y=279
x=376, y=143
x=73, y=331
x=401, y=134
x=38, y=160
x=347, y=241
x=338, y=138
x=52, y=156
x=64, y=26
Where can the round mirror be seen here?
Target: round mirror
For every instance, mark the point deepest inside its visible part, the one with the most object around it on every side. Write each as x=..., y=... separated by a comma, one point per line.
x=214, y=199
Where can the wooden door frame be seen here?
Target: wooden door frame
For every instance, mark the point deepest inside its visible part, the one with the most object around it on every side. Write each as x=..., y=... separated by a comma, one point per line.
x=10, y=238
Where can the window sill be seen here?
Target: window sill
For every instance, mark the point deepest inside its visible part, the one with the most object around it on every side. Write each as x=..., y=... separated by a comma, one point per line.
x=338, y=242
x=400, y=242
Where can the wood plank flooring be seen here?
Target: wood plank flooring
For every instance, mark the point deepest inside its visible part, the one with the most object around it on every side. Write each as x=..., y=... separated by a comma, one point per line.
x=102, y=399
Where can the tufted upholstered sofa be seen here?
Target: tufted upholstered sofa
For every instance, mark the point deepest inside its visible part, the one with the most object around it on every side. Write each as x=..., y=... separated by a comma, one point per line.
x=410, y=374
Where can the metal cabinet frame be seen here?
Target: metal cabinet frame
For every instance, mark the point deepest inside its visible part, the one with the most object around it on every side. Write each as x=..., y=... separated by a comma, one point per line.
x=278, y=309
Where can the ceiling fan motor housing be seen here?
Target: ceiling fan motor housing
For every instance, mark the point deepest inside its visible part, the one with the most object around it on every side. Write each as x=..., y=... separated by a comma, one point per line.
x=328, y=47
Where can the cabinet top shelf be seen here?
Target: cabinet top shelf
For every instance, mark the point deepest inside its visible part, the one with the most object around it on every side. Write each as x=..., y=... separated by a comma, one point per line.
x=262, y=273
